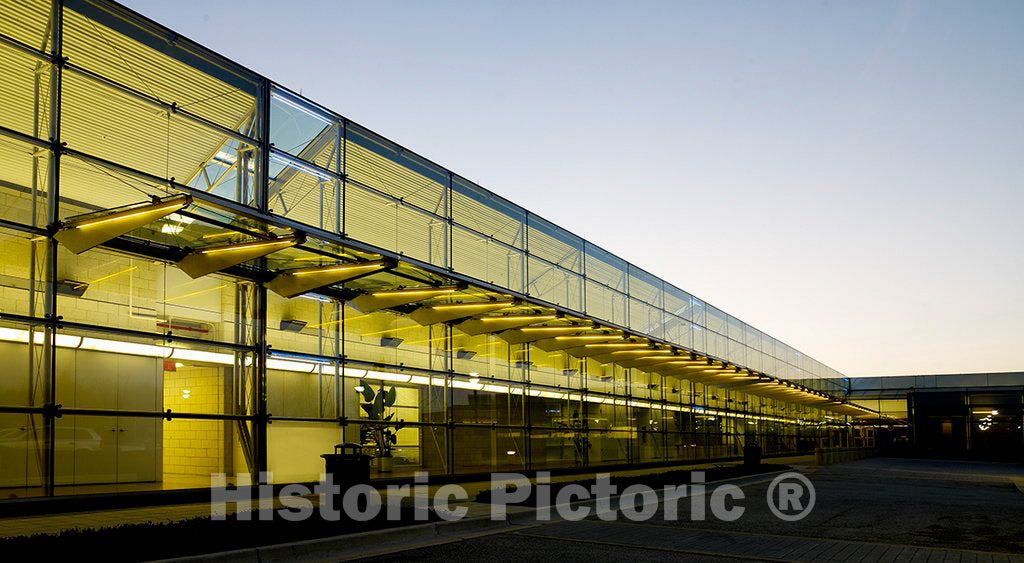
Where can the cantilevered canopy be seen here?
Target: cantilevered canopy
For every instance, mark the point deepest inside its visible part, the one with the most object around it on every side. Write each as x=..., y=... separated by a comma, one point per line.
x=371, y=301
x=82, y=232
x=303, y=280
x=496, y=323
x=565, y=342
x=202, y=261
x=446, y=312
x=542, y=332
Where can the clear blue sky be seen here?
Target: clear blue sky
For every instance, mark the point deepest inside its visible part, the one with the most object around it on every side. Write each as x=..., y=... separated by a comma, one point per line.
x=847, y=176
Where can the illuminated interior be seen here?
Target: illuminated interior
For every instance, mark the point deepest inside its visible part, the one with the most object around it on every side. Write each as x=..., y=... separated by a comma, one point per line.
x=227, y=261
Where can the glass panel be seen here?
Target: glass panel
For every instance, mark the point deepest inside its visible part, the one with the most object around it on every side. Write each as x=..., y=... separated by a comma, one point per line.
x=606, y=304
x=645, y=287
x=304, y=193
x=554, y=244
x=394, y=226
x=735, y=329
x=27, y=21
x=25, y=91
x=24, y=171
x=488, y=260
x=645, y=319
x=677, y=331
x=101, y=121
x=677, y=301
x=22, y=292
x=375, y=162
x=103, y=40
x=606, y=268
x=478, y=450
x=715, y=320
x=555, y=285
x=488, y=214
x=304, y=130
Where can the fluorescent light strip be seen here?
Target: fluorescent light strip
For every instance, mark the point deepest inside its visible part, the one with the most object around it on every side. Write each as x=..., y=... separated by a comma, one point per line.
x=119, y=347
x=447, y=306
x=423, y=291
x=286, y=100
x=289, y=160
x=247, y=246
x=117, y=217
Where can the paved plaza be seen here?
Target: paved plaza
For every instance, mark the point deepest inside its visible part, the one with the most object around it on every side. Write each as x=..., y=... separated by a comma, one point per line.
x=870, y=510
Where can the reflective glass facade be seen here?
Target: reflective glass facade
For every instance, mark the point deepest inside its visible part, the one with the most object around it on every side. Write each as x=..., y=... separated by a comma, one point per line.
x=311, y=255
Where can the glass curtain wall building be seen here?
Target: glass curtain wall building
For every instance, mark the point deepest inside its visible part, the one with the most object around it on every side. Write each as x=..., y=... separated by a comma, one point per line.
x=200, y=267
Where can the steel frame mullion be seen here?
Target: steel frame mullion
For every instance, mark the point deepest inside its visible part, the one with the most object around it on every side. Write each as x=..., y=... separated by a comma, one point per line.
x=25, y=48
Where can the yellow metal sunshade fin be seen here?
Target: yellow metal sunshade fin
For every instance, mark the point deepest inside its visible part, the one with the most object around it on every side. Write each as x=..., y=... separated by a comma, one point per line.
x=433, y=314
x=605, y=348
x=651, y=359
x=535, y=333
x=498, y=323
x=303, y=280
x=202, y=261
x=616, y=355
x=573, y=340
x=376, y=300
x=82, y=232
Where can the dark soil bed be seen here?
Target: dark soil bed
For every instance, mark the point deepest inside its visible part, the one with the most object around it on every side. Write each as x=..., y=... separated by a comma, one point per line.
x=654, y=480
x=141, y=542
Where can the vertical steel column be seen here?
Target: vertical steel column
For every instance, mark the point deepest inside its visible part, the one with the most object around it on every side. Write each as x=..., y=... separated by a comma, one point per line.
x=449, y=225
x=259, y=363
x=449, y=401
x=344, y=177
x=50, y=409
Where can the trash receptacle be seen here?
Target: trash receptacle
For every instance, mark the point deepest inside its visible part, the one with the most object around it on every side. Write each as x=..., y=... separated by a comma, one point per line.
x=347, y=466
x=751, y=455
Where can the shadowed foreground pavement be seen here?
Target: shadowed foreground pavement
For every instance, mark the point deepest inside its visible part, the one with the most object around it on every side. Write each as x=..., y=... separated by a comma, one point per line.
x=870, y=510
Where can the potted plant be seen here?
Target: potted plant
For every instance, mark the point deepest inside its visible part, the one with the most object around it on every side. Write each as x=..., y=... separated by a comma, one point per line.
x=383, y=433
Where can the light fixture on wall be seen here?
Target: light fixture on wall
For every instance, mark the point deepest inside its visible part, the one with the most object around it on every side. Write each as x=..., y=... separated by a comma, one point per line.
x=82, y=232
x=391, y=341
x=71, y=288
x=206, y=260
x=523, y=363
x=465, y=354
x=292, y=325
x=570, y=372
